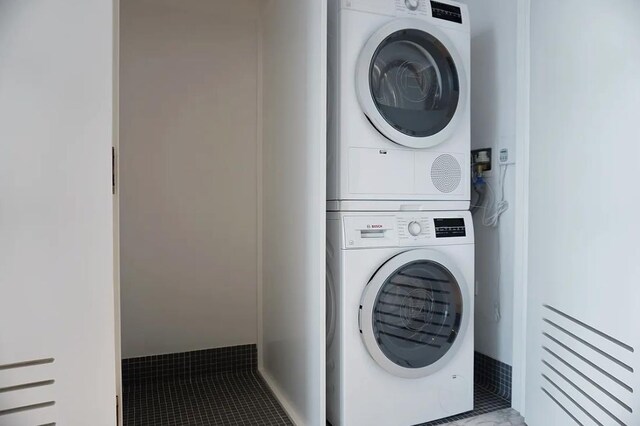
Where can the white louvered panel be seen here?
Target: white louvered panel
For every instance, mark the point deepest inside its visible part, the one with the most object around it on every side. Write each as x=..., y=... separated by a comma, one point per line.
x=593, y=371
x=56, y=249
x=550, y=334
x=38, y=417
x=603, y=405
x=562, y=408
x=577, y=360
x=27, y=392
x=26, y=397
x=589, y=334
x=17, y=376
x=581, y=257
x=581, y=402
x=28, y=402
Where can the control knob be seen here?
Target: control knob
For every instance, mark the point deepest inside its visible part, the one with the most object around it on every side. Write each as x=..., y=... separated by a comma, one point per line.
x=414, y=228
x=412, y=4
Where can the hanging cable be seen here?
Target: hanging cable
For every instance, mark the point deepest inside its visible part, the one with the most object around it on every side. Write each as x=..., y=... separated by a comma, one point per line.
x=497, y=207
x=491, y=213
x=479, y=201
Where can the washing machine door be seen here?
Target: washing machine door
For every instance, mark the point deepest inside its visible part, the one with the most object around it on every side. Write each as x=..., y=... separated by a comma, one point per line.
x=411, y=83
x=414, y=313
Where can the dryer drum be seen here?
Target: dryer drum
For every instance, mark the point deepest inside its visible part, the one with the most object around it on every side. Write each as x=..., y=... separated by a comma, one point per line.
x=414, y=83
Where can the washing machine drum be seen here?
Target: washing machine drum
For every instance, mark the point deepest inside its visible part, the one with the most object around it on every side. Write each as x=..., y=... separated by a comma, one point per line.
x=414, y=313
x=411, y=83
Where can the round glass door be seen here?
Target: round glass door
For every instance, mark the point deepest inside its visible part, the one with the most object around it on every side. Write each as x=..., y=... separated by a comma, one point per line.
x=414, y=83
x=412, y=318
x=411, y=83
x=417, y=314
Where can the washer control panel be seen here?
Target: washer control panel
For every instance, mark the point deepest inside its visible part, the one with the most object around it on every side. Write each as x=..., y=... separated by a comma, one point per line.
x=413, y=7
x=446, y=13
x=409, y=229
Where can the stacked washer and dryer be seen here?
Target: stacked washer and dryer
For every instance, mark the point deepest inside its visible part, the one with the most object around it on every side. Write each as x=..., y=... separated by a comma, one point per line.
x=400, y=241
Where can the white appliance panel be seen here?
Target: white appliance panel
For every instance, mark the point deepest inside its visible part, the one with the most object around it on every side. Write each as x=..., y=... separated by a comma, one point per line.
x=352, y=139
x=359, y=390
x=366, y=164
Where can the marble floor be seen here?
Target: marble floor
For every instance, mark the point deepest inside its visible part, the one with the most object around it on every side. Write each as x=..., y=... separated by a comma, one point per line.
x=505, y=417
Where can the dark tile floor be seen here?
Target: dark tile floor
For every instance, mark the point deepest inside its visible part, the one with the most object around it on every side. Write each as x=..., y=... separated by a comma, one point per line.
x=240, y=398
x=484, y=401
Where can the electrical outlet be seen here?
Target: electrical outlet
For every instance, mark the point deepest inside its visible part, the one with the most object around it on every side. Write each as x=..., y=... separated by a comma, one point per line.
x=504, y=157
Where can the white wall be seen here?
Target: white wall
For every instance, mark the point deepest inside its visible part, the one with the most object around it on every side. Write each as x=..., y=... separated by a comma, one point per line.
x=188, y=174
x=292, y=299
x=584, y=201
x=493, y=125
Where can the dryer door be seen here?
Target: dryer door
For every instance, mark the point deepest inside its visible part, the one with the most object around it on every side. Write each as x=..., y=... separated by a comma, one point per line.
x=414, y=313
x=411, y=83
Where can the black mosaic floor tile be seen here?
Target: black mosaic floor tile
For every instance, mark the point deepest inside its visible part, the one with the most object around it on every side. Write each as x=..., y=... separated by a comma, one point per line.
x=484, y=401
x=493, y=375
x=240, y=398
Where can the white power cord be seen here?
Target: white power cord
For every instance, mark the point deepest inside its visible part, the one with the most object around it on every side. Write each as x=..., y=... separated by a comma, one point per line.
x=491, y=218
x=497, y=308
x=498, y=207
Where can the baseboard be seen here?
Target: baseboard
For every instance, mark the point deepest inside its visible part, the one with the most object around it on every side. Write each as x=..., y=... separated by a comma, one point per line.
x=282, y=399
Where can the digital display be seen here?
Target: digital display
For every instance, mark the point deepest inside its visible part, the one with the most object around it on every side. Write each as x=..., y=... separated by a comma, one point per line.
x=450, y=227
x=446, y=12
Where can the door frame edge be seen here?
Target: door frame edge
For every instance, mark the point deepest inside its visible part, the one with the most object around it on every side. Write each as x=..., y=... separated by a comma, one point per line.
x=116, y=209
x=520, y=278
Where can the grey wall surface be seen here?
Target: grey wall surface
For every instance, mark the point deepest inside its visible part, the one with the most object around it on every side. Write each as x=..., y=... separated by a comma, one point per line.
x=188, y=171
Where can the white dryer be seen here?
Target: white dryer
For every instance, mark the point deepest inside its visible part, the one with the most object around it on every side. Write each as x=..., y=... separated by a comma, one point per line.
x=399, y=120
x=399, y=317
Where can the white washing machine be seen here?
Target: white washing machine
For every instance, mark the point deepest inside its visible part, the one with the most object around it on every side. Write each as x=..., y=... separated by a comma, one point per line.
x=399, y=116
x=399, y=317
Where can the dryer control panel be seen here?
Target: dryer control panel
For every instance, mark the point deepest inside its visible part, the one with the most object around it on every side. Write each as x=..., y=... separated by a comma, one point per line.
x=365, y=230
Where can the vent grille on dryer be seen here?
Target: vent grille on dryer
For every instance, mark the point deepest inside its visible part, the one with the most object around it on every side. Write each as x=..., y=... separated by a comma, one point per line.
x=446, y=173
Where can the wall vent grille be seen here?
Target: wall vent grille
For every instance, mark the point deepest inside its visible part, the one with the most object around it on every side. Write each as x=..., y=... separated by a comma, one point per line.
x=587, y=372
